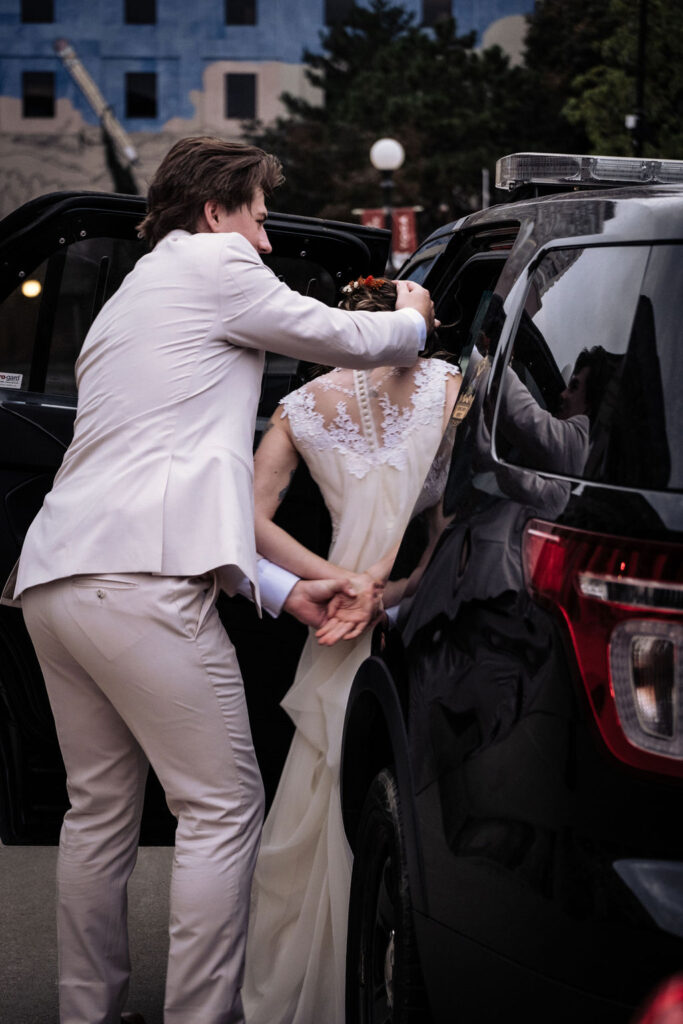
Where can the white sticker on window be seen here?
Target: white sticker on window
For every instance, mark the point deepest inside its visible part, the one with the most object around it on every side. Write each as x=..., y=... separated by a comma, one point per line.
x=11, y=380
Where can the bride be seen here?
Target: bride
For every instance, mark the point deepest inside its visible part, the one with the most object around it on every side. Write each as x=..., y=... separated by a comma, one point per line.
x=368, y=438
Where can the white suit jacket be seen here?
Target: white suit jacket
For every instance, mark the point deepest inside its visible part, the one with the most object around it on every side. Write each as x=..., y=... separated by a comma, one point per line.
x=158, y=477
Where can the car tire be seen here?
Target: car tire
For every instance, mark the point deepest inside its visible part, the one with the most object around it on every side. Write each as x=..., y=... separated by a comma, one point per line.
x=383, y=975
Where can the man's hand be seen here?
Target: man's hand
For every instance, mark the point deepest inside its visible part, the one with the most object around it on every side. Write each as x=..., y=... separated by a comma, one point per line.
x=412, y=295
x=308, y=599
x=348, y=617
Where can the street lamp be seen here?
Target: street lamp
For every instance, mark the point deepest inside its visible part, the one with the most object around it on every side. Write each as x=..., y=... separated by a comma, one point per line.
x=635, y=123
x=386, y=156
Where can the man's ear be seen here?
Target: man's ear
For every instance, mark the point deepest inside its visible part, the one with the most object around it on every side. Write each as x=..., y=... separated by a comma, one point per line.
x=213, y=211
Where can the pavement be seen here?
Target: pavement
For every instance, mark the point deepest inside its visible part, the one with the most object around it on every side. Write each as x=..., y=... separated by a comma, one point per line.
x=28, y=952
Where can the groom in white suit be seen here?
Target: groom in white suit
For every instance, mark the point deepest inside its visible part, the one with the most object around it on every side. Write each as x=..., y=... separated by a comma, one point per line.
x=150, y=514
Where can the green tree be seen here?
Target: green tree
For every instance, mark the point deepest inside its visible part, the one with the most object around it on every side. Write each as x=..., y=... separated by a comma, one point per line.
x=453, y=109
x=607, y=91
x=563, y=43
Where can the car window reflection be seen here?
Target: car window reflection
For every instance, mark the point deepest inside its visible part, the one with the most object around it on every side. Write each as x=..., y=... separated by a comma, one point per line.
x=586, y=353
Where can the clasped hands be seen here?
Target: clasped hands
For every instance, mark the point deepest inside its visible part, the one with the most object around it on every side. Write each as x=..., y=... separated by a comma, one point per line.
x=338, y=609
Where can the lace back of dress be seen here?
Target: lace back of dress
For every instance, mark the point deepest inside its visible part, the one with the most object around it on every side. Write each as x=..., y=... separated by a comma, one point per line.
x=366, y=414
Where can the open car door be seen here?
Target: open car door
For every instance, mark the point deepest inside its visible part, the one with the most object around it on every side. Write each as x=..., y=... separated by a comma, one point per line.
x=61, y=257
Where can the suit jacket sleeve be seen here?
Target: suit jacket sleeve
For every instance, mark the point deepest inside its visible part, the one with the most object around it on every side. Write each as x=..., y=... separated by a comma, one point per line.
x=259, y=311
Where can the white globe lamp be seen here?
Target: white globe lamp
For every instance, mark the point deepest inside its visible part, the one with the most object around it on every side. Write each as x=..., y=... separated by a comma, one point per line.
x=387, y=155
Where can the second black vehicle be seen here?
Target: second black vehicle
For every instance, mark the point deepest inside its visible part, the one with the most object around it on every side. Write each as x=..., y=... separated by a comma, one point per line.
x=513, y=752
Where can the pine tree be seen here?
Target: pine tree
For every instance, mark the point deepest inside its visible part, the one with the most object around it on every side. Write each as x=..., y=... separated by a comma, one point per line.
x=454, y=110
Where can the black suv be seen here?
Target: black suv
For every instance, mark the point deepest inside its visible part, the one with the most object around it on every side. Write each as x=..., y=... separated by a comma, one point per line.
x=513, y=750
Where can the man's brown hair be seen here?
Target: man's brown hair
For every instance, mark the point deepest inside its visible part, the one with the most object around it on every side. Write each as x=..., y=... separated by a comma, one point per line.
x=197, y=170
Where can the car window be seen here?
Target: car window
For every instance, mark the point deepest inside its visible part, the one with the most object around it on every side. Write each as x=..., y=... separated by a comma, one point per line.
x=465, y=304
x=41, y=332
x=304, y=276
x=419, y=265
x=18, y=324
x=597, y=348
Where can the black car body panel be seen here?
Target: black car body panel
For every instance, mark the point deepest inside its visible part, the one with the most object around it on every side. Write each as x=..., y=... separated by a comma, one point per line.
x=531, y=814
x=79, y=246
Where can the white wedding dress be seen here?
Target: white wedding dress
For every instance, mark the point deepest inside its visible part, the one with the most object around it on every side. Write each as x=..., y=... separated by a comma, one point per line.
x=368, y=438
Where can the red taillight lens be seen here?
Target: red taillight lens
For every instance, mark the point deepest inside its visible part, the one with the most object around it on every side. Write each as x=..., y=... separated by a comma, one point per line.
x=666, y=1005
x=623, y=603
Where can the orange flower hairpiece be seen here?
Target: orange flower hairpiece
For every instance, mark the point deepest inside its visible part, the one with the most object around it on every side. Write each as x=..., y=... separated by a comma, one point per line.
x=374, y=283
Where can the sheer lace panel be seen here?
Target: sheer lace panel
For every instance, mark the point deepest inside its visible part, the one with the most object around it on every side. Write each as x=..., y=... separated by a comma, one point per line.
x=368, y=414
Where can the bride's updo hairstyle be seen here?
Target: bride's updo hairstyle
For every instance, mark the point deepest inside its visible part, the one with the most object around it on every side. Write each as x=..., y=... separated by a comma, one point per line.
x=376, y=294
x=379, y=294
x=372, y=294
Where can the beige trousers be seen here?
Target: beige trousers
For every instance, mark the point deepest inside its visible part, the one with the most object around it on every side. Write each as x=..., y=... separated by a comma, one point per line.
x=139, y=670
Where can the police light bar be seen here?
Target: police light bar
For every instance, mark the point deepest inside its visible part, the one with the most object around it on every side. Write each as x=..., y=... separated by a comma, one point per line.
x=568, y=169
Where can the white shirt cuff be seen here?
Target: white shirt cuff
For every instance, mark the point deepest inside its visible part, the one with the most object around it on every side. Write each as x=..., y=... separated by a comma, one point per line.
x=418, y=320
x=392, y=614
x=275, y=584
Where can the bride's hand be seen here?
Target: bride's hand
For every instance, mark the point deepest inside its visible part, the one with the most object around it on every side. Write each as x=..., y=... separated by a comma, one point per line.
x=348, y=617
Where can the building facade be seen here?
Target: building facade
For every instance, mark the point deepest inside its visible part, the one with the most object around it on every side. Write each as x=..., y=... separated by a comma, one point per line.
x=168, y=68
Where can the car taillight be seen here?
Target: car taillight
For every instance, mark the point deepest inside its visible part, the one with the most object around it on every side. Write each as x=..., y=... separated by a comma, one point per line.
x=622, y=601
x=665, y=1006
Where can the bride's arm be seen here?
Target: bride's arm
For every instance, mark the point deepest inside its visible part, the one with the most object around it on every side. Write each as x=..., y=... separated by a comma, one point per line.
x=275, y=463
x=347, y=617
x=382, y=567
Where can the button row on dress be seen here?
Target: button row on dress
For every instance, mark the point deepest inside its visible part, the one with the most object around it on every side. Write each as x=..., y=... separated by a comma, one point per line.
x=364, y=408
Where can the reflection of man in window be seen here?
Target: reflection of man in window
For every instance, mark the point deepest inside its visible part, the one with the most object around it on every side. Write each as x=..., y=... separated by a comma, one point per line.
x=573, y=400
x=584, y=392
x=555, y=443
x=533, y=437
x=538, y=439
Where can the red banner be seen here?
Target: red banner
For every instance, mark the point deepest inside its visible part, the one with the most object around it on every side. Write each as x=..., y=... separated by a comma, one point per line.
x=404, y=232
x=403, y=229
x=373, y=218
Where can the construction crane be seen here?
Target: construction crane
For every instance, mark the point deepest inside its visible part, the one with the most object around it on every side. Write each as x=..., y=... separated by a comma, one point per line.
x=122, y=156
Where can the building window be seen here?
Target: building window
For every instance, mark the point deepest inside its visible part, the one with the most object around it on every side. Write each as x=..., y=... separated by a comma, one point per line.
x=140, y=12
x=37, y=11
x=38, y=94
x=337, y=10
x=240, y=96
x=435, y=10
x=240, y=12
x=141, y=94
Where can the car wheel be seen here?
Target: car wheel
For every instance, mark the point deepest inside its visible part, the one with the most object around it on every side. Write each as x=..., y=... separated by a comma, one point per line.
x=383, y=975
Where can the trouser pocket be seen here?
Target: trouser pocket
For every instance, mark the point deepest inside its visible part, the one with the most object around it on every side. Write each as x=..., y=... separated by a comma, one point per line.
x=111, y=610
x=194, y=598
